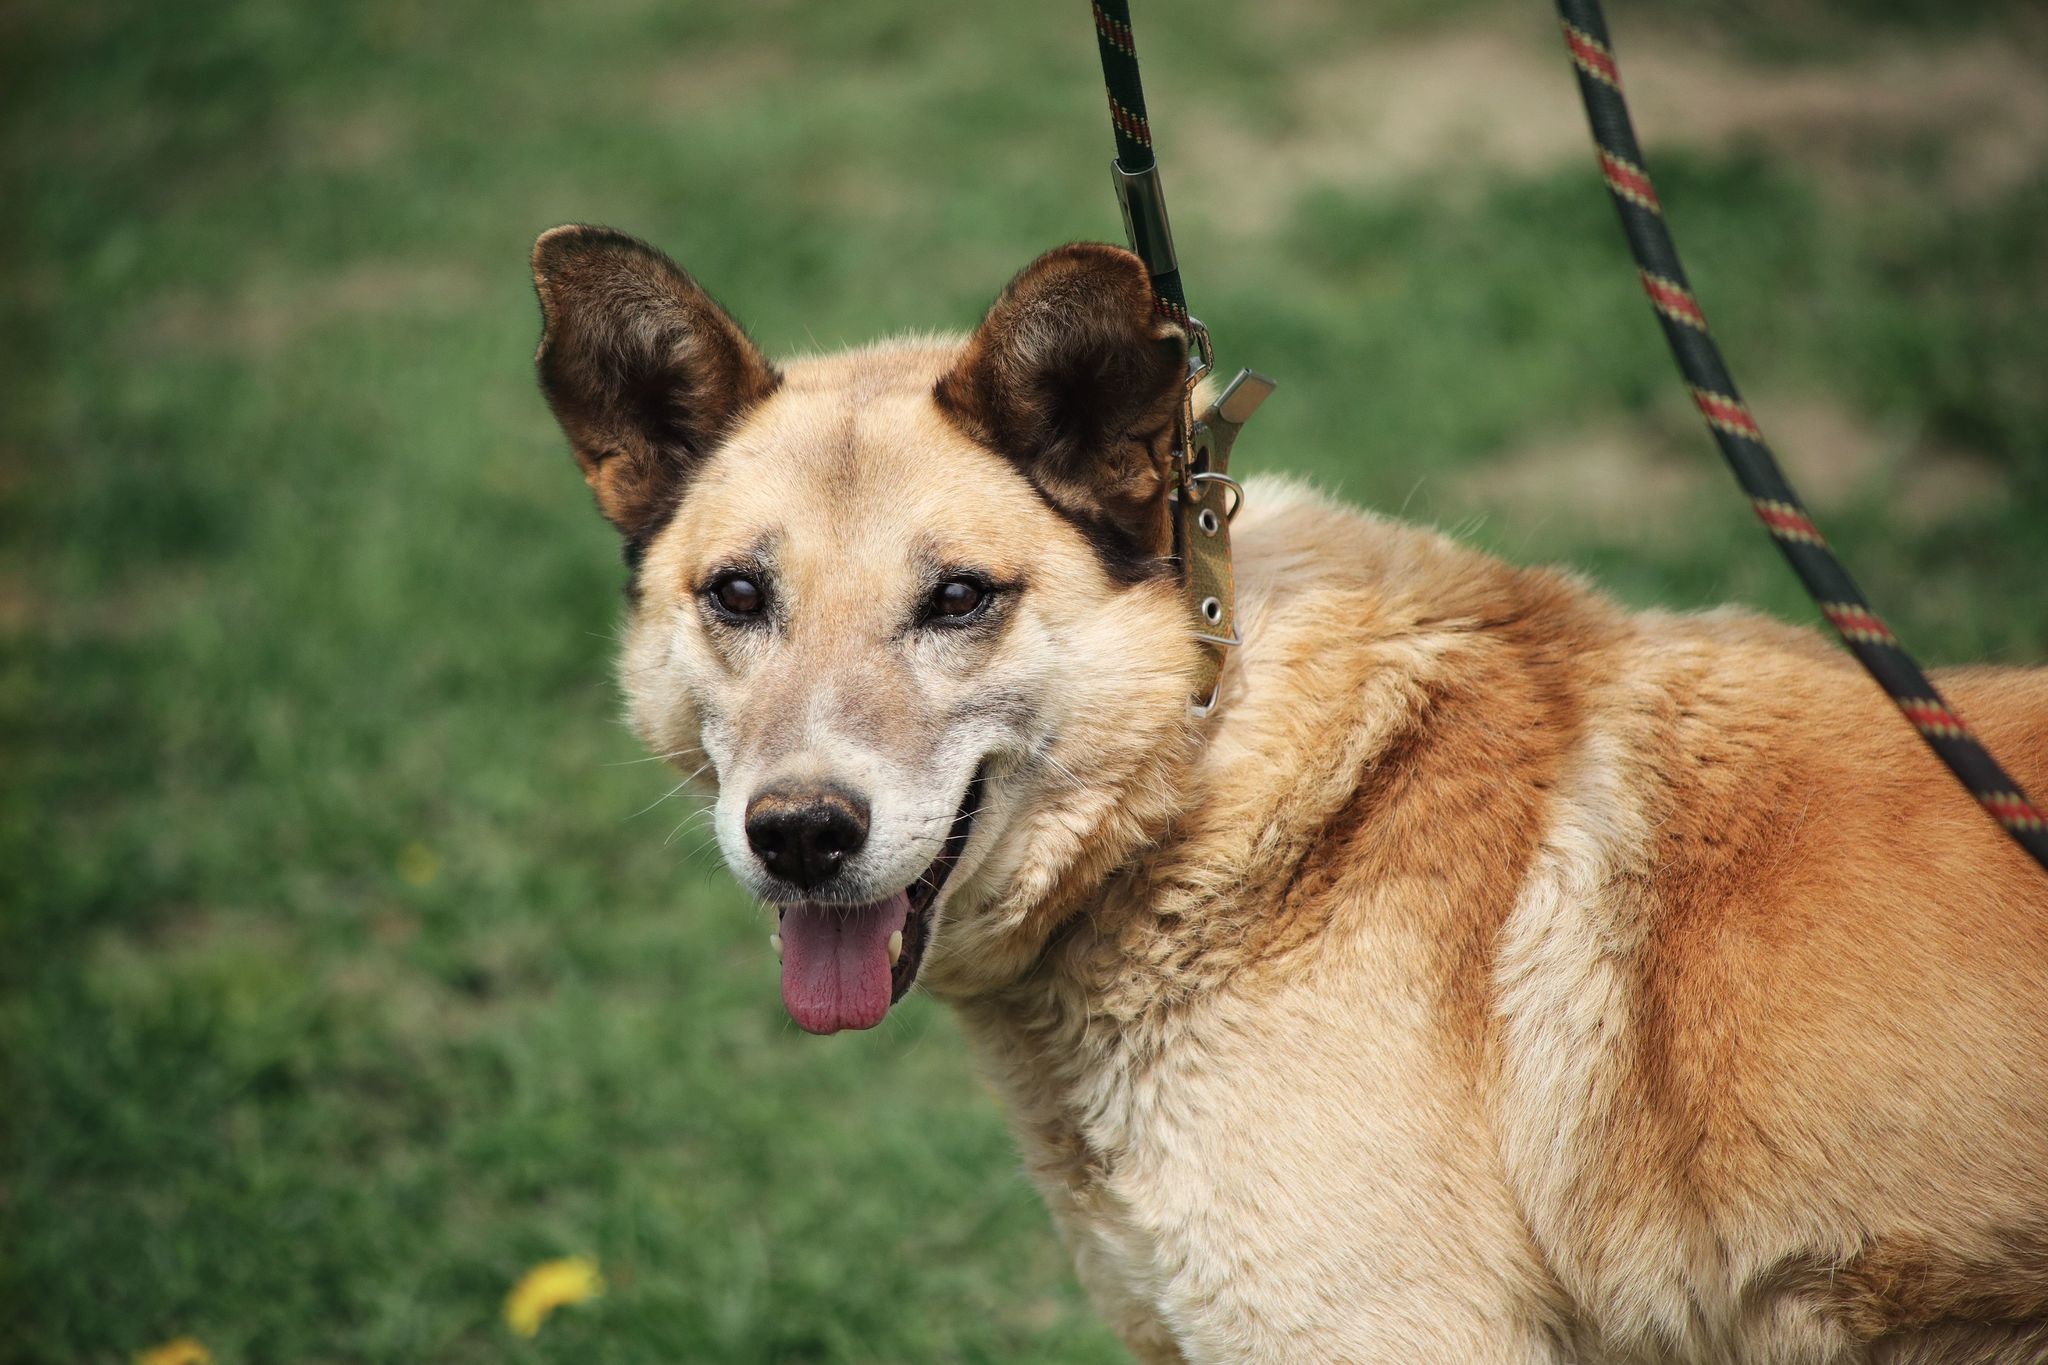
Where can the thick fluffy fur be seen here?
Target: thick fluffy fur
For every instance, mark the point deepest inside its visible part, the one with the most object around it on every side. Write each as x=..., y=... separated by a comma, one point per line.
x=1527, y=980
x=1497, y=976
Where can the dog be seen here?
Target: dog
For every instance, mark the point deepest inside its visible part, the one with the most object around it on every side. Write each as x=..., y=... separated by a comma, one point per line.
x=1495, y=975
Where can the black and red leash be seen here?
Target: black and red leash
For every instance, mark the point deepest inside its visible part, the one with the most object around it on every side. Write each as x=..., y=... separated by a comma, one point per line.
x=1137, y=166
x=1742, y=444
x=1868, y=638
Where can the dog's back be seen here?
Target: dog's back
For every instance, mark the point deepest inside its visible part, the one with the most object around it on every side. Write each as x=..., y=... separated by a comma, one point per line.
x=1818, y=1075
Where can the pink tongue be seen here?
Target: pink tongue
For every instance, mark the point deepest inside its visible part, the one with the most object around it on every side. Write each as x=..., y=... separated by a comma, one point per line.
x=835, y=962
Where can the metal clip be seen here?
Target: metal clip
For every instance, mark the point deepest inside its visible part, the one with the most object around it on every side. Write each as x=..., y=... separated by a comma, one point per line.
x=1205, y=353
x=1215, y=432
x=1145, y=226
x=1239, y=399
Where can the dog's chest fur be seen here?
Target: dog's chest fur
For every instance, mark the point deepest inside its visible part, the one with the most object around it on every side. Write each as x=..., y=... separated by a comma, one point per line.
x=1418, y=1038
x=1214, y=1071
x=1216, y=1207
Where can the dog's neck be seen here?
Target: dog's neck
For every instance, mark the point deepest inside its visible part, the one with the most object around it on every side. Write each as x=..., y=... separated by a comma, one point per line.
x=1345, y=620
x=1351, y=623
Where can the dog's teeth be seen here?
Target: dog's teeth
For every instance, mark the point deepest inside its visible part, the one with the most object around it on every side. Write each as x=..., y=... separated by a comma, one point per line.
x=895, y=946
x=775, y=942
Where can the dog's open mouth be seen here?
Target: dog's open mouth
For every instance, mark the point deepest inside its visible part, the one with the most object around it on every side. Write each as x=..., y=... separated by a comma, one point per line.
x=843, y=966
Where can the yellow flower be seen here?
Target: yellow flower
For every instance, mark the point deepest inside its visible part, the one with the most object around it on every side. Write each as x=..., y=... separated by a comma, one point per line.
x=548, y=1286
x=183, y=1351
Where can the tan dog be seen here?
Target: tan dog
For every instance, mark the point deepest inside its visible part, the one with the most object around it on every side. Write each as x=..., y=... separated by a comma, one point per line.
x=1497, y=975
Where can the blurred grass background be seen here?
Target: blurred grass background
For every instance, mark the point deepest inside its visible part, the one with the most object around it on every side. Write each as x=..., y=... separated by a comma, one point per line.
x=350, y=962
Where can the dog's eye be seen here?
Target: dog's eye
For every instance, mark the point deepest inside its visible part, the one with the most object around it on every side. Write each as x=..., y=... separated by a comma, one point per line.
x=957, y=597
x=739, y=595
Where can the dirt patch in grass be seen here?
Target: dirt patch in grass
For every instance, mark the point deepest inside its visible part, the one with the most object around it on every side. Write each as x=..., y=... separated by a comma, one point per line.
x=707, y=81
x=17, y=605
x=1829, y=451
x=1940, y=486
x=1986, y=102
x=1836, y=455
x=1632, y=482
x=357, y=139
x=1617, y=481
x=1458, y=103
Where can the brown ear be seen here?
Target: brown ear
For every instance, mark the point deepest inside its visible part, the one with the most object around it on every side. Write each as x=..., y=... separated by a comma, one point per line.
x=1076, y=380
x=643, y=370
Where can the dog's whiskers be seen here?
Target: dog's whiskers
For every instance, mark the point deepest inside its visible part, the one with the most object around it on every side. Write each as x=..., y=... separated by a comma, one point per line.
x=685, y=823
x=668, y=757
x=667, y=795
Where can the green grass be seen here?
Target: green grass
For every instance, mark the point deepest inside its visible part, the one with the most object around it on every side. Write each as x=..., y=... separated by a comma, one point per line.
x=350, y=963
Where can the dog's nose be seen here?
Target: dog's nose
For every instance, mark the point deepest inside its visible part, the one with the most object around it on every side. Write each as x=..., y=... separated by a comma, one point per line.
x=803, y=835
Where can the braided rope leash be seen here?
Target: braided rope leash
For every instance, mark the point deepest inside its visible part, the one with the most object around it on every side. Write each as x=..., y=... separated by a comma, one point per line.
x=1742, y=444
x=1135, y=159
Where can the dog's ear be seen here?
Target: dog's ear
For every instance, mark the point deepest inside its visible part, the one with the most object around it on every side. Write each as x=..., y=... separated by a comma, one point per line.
x=1074, y=378
x=643, y=370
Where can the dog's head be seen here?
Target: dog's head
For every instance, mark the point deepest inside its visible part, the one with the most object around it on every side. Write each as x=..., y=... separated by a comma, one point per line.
x=908, y=611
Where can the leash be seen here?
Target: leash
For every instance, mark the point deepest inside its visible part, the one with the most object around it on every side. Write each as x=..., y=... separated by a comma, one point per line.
x=1203, y=443
x=1742, y=444
x=1205, y=497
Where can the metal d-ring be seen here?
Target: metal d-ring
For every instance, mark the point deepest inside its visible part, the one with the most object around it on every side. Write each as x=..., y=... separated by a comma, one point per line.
x=1205, y=353
x=1236, y=490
